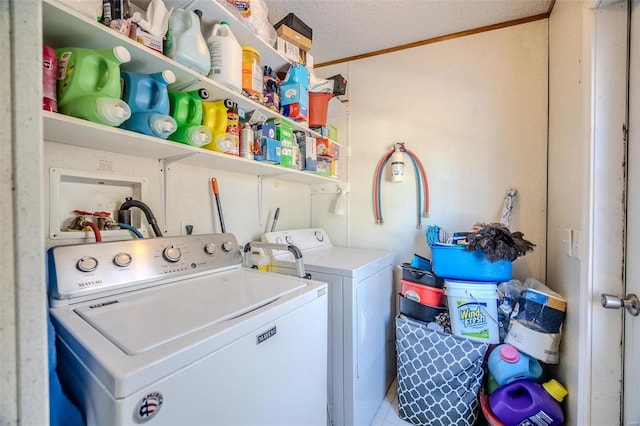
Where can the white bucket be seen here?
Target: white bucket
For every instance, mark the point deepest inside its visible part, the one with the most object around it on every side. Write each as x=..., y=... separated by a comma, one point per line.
x=473, y=308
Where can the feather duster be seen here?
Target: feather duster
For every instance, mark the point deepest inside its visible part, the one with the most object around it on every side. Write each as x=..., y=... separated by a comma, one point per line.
x=498, y=243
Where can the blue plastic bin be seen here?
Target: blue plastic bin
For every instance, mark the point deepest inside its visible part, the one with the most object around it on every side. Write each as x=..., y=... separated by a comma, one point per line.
x=455, y=262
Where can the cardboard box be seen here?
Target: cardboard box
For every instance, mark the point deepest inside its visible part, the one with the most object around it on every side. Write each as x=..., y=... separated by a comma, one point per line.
x=296, y=111
x=543, y=310
x=542, y=346
x=146, y=39
x=308, y=150
x=292, y=93
x=284, y=129
x=266, y=130
x=270, y=151
x=294, y=37
x=290, y=51
x=323, y=166
x=327, y=148
x=297, y=73
x=339, y=84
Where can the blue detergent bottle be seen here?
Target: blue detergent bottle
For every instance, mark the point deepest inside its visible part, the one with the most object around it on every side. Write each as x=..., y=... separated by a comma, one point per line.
x=506, y=364
x=148, y=98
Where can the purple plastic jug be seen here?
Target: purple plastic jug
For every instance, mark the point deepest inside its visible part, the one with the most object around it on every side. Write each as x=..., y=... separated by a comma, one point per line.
x=528, y=402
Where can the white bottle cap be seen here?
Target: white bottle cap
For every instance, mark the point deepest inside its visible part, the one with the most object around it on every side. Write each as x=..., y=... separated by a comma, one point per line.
x=121, y=54
x=169, y=76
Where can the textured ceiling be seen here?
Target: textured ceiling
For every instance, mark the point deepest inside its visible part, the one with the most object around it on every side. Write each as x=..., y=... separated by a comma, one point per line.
x=346, y=28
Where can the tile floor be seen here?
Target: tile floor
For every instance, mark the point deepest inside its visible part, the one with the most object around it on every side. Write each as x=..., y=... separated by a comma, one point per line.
x=387, y=414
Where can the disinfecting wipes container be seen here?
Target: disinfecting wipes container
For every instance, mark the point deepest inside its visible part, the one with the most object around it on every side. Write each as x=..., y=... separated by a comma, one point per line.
x=473, y=308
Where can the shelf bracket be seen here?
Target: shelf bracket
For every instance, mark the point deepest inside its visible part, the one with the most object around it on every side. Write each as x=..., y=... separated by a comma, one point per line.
x=164, y=193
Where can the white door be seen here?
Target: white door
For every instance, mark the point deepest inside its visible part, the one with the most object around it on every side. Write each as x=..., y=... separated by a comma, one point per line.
x=621, y=363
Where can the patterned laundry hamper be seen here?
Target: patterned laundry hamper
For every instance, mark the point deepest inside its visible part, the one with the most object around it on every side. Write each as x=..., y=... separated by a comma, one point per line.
x=439, y=375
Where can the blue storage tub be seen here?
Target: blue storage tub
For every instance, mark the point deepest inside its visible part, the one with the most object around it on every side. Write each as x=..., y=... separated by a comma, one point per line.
x=455, y=262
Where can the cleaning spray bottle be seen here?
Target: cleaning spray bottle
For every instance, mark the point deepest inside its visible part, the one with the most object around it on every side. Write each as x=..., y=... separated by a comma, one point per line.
x=89, y=84
x=184, y=42
x=148, y=98
x=186, y=109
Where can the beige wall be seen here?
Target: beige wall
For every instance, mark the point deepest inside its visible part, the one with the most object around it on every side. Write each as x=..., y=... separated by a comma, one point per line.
x=474, y=110
x=567, y=146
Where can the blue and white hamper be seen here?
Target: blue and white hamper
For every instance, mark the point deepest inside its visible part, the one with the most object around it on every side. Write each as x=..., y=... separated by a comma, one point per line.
x=439, y=375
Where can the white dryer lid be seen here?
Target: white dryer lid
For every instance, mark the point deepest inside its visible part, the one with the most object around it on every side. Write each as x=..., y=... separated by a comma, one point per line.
x=139, y=322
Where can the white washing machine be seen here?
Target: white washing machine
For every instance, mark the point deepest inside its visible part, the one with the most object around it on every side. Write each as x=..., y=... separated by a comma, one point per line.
x=174, y=331
x=361, y=334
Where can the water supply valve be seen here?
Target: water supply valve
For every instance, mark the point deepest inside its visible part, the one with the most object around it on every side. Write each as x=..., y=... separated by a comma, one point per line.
x=397, y=163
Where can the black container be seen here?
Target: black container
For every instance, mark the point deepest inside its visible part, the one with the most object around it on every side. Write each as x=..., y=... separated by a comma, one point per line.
x=421, y=276
x=339, y=84
x=296, y=24
x=419, y=311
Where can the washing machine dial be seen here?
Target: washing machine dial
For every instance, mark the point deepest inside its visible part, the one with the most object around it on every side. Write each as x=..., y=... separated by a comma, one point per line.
x=171, y=254
x=210, y=248
x=319, y=236
x=122, y=259
x=289, y=239
x=87, y=264
x=227, y=246
x=279, y=240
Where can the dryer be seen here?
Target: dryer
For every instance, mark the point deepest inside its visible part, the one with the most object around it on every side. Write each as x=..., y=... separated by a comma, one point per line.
x=361, y=345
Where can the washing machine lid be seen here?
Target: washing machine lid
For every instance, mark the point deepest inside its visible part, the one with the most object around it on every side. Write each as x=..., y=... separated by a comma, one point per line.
x=141, y=321
x=347, y=262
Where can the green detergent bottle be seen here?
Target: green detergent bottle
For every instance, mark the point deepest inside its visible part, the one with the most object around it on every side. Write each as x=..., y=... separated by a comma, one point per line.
x=89, y=84
x=186, y=109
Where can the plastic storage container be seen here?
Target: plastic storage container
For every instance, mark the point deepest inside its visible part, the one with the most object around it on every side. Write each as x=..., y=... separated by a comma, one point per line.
x=506, y=365
x=421, y=276
x=529, y=402
x=252, y=77
x=473, y=308
x=318, y=108
x=225, y=56
x=454, y=261
x=418, y=310
x=422, y=293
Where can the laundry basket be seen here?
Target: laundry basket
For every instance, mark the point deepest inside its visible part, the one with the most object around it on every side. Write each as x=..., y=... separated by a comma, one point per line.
x=439, y=375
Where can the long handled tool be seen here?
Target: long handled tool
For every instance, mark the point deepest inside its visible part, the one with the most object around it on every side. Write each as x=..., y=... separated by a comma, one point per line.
x=216, y=193
x=275, y=219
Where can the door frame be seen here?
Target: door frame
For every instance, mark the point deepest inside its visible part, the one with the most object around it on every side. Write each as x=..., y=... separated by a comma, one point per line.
x=605, y=53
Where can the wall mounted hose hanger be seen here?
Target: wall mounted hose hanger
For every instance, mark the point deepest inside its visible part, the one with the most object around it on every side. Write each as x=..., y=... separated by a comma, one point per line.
x=396, y=155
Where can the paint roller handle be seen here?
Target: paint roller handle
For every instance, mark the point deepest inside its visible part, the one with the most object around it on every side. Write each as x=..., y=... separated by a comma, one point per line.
x=214, y=186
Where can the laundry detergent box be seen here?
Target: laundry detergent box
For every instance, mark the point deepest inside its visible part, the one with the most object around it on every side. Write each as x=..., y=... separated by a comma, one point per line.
x=270, y=151
x=284, y=129
x=544, y=347
x=309, y=152
x=296, y=111
x=327, y=148
x=286, y=154
x=266, y=130
x=291, y=93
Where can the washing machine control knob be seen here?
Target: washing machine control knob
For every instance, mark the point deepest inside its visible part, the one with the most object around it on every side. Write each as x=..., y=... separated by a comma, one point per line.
x=279, y=240
x=227, y=246
x=87, y=264
x=210, y=248
x=319, y=236
x=122, y=259
x=289, y=239
x=171, y=254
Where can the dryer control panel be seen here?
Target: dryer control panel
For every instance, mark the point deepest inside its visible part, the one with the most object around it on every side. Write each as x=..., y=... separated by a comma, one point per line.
x=83, y=270
x=304, y=239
